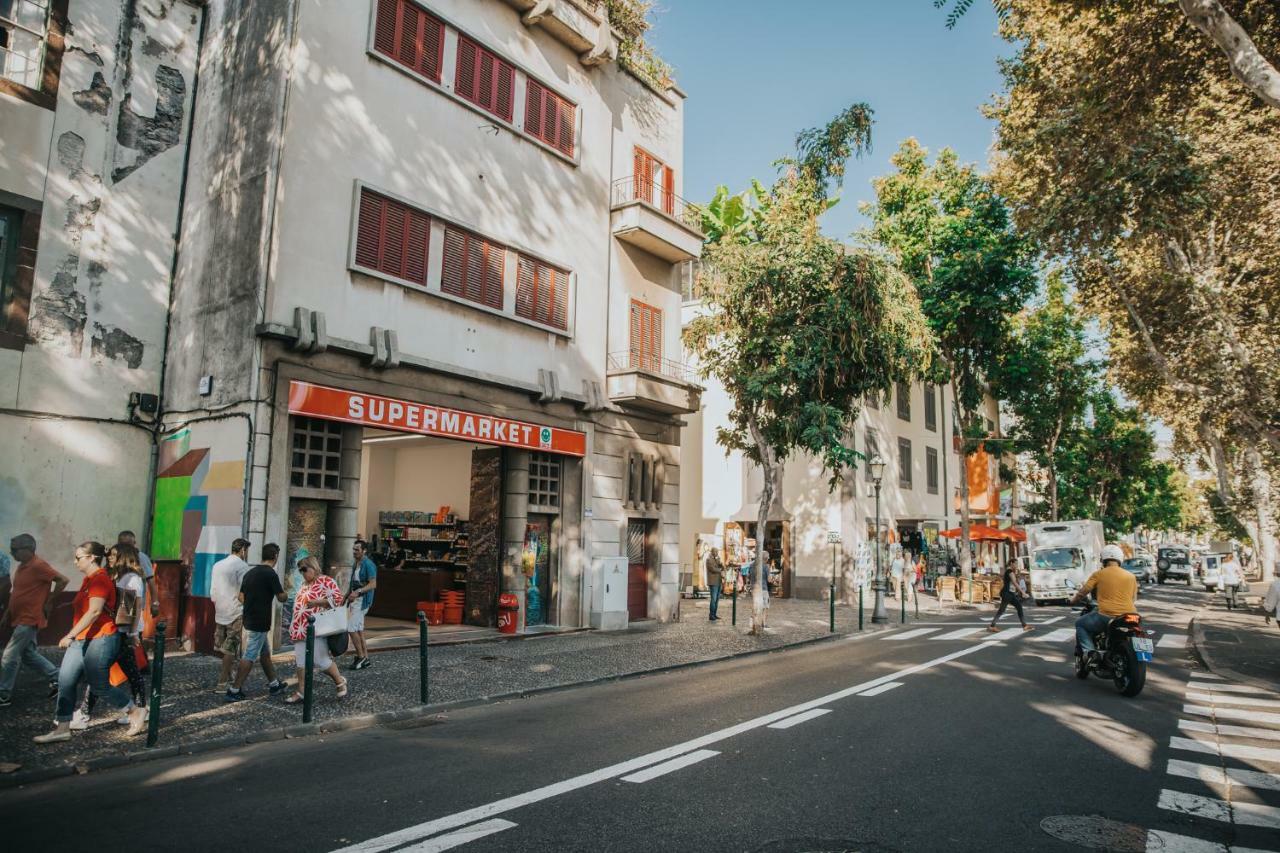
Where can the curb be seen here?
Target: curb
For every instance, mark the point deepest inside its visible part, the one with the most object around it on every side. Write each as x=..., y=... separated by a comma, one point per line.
x=1201, y=648
x=21, y=778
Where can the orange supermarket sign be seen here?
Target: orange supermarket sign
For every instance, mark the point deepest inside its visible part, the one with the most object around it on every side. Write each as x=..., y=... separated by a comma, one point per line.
x=354, y=407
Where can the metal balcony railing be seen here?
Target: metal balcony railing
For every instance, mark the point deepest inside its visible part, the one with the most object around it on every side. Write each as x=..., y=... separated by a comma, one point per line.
x=637, y=360
x=656, y=196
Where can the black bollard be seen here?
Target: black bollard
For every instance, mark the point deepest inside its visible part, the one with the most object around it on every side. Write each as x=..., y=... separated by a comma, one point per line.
x=422, y=657
x=157, y=684
x=859, y=607
x=734, y=620
x=308, y=675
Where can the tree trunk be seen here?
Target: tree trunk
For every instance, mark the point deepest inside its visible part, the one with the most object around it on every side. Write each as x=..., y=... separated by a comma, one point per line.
x=1053, y=479
x=1265, y=543
x=966, y=563
x=1248, y=65
x=768, y=465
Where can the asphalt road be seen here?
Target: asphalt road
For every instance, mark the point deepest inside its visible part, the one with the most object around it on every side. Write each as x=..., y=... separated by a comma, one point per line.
x=910, y=740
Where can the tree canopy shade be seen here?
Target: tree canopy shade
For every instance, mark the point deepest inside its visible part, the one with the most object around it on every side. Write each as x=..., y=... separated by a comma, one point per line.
x=952, y=234
x=798, y=328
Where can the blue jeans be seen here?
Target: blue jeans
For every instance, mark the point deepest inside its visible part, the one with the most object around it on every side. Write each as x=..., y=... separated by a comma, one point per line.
x=92, y=660
x=22, y=649
x=715, y=598
x=1086, y=626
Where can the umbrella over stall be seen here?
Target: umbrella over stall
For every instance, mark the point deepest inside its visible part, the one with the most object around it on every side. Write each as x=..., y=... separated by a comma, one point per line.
x=987, y=533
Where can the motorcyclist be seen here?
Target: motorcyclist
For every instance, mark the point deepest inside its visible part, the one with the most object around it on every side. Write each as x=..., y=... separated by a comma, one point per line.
x=1116, y=591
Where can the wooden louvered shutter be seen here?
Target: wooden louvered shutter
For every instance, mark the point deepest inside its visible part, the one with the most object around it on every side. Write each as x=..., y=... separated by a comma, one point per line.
x=637, y=333
x=668, y=190
x=655, y=340
x=393, y=240
x=558, y=298
x=417, y=239
x=526, y=288
x=640, y=163
x=384, y=31
x=568, y=124
x=465, y=81
x=369, y=230
x=495, y=265
x=646, y=337
x=504, y=85
x=453, y=268
x=432, y=54
x=533, y=108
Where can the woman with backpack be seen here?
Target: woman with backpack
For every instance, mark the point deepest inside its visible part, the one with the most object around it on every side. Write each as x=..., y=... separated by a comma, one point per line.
x=318, y=593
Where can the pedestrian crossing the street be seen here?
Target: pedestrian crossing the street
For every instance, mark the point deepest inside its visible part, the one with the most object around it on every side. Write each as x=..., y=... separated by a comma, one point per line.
x=1224, y=768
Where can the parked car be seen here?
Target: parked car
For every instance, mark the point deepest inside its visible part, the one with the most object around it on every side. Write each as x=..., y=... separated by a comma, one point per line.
x=1173, y=562
x=1141, y=567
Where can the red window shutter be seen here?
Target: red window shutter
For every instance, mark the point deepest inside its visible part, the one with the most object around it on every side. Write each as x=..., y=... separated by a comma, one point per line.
x=646, y=336
x=568, y=124
x=526, y=287
x=473, y=268
x=393, y=240
x=542, y=293
x=640, y=164
x=505, y=83
x=637, y=333
x=495, y=267
x=417, y=239
x=464, y=83
x=384, y=30
x=369, y=230
x=409, y=35
x=668, y=189
x=533, y=108
x=453, y=268
x=392, y=237
x=432, y=48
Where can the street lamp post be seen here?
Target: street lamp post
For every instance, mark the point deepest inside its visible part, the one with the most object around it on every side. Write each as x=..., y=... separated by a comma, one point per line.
x=879, y=615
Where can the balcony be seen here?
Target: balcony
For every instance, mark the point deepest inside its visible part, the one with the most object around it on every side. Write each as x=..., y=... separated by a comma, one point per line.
x=640, y=381
x=646, y=215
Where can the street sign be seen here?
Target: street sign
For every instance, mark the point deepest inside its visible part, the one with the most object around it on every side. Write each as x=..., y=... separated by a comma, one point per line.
x=833, y=537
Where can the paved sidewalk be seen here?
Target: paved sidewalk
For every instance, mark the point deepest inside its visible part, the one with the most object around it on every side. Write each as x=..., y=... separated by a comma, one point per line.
x=195, y=718
x=1237, y=644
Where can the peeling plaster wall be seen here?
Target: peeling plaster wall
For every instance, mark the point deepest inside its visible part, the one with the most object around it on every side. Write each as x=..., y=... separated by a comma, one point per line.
x=106, y=168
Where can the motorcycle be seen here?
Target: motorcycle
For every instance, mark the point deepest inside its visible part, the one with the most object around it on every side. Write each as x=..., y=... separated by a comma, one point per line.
x=1124, y=650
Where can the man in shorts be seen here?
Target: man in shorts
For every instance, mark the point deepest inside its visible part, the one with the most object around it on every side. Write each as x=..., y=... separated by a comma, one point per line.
x=364, y=579
x=259, y=591
x=224, y=589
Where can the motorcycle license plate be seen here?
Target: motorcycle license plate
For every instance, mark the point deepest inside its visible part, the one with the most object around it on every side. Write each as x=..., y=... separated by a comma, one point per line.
x=1145, y=648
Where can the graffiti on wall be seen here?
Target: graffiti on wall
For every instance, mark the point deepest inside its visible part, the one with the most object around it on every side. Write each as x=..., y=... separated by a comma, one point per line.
x=199, y=504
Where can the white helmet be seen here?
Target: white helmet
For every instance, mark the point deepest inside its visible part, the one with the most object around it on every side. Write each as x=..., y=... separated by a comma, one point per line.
x=1112, y=552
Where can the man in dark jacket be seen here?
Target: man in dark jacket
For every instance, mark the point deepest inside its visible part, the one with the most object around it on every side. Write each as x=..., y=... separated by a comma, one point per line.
x=715, y=571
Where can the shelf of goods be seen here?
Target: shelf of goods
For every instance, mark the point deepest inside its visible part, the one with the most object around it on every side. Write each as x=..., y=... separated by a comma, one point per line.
x=436, y=545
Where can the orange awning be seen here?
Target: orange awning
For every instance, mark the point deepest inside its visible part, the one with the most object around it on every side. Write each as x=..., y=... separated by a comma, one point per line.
x=987, y=533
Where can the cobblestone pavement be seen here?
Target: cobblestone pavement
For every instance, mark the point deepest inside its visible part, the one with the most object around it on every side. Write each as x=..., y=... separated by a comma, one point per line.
x=192, y=712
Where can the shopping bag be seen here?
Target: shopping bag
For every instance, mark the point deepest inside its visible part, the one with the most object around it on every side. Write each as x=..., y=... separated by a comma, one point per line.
x=330, y=622
x=140, y=657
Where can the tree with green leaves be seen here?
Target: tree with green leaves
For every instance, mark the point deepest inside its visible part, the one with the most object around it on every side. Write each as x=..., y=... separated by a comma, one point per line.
x=952, y=234
x=1045, y=381
x=799, y=328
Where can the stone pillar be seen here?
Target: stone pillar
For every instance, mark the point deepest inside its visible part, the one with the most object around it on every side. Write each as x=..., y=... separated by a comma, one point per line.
x=515, y=515
x=344, y=515
x=571, y=568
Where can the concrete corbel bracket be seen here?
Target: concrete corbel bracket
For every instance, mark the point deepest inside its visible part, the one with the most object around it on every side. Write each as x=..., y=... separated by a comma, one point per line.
x=319, y=332
x=550, y=383
x=605, y=49
x=537, y=12
x=379, y=341
x=595, y=397
x=302, y=322
x=393, y=349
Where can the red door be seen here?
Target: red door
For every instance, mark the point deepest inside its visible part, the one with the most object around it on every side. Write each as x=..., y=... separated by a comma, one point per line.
x=637, y=570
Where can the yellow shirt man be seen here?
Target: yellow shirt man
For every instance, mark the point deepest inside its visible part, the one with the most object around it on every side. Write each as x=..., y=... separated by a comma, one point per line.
x=1116, y=590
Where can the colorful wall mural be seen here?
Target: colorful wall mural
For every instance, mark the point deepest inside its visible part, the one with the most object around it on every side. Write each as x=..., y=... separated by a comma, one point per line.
x=199, y=501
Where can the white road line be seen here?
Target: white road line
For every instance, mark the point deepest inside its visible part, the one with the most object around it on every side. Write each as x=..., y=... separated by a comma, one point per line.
x=538, y=795
x=670, y=766
x=1232, y=731
x=1256, y=814
x=1228, y=688
x=1231, y=700
x=914, y=632
x=1214, y=774
x=799, y=718
x=1059, y=636
x=1168, y=640
x=1206, y=675
x=1051, y=621
x=462, y=836
x=956, y=635
x=1227, y=750
x=1159, y=841
x=1232, y=714
x=1007, y=634
x=1195, y=805
x=883, y=688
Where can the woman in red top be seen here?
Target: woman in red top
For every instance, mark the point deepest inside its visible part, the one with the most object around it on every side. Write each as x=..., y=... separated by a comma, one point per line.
x=319, y=592
x=92, y=645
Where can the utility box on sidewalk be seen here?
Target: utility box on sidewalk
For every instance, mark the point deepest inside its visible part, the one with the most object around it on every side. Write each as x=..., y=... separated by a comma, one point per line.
x=609, y=593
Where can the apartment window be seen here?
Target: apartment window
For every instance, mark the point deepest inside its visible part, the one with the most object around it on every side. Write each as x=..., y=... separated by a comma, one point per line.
x=930, y=407
x=549, y=117
x=392, y=237
x=484, y=79
x=10, y=228
x=317, y=454
x=904, y=401
x=544, y=481
x=473, y=267
x=542, y=293
x=931, y=469
x=407, y=34
x=904, y=463
x=19, y=235
x=655, y=181
x=646, y=337
x=871, y=447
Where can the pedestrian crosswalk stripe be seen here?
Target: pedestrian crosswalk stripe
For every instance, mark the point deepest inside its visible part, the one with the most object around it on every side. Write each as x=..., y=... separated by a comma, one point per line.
x=1233, y=731
x=1209, y=675
x=1231, y=700
x=1232, y=714
x=670, y=766
x=883, y=688
x=1227, y=750
x=1218, y=775
x=1195, y=805
x=1169, y=842
x=1168, y=640
x=907, y=635
x=1059, y=636
x=1008, y=634
x=459, y=837
x=1226, y=688
x=958, y=634
x=799, y=718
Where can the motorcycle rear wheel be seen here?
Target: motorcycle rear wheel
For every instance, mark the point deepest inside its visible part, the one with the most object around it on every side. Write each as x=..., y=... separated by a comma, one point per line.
x=1130, y=673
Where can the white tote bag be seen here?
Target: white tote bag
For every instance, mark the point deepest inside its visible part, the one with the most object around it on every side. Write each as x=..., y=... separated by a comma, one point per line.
x=332, y=621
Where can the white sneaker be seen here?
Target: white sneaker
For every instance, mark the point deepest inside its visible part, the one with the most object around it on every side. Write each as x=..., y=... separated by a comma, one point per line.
x=123, y=719
x=79, y=721
x=222, y=687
